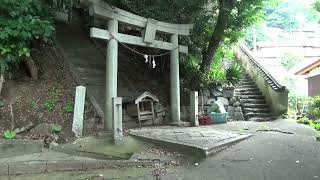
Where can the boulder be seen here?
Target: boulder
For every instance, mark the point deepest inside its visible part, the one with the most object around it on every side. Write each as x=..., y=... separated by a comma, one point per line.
x=236, y=104
x=42, y=129
x=215, y=93
x=205, y=100
x=211, y=101
x=235, y=113
x=232, y=101
x=228, y=93
x=206, y=92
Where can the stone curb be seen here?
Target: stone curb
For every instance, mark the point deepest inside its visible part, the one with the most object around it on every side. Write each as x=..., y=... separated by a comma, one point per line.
x=36, y=167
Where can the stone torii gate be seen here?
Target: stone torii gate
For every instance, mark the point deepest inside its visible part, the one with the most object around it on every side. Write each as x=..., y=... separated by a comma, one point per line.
x=114, y=16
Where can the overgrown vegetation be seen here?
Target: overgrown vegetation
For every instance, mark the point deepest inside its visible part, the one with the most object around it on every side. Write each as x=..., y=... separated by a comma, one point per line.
x=23, y=24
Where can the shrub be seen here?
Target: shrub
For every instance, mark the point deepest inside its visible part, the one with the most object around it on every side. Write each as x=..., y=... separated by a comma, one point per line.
x=21, y=23
x=303, y=120
x=56, y=128
x=233, y=74
x=10, y=134
x=68, y=108
x=315, y=107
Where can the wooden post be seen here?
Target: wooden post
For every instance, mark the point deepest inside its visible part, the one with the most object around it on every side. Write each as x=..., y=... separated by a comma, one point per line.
x=117, y=120
x=194, y=98
x=111, y=74
x=175, y=81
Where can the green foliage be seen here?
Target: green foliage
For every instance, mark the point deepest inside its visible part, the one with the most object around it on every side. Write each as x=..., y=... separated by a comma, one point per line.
x=297, y=105
x=303, y=120
x=198, y=79
x=316, y=5
x=21, y=23
x=214, y=108
x=290, y=60
x=50, y=104
x=315, y=107
x=233, y=74
x=34, y=104
x=56, y=128
x=2, y=103
x=68, y=108
x=290, y=14
x=317, y=136
x=9, y=134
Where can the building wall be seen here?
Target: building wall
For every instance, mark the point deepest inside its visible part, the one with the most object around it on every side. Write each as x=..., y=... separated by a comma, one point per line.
x=314, y=85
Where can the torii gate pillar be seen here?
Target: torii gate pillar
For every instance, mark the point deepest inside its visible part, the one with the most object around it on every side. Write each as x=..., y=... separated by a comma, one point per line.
x=175, y=81
x=111, y=74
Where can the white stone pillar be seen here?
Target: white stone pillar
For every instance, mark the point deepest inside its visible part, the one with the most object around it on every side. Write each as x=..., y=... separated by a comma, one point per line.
x=111, y=75
x=117, y=120
x=194, y=100
x=175, y=81
x=77, y=125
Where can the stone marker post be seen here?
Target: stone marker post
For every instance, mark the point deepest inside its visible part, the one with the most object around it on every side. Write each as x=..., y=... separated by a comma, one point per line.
x=117, y=120
x=194, y=98
x=77, y=125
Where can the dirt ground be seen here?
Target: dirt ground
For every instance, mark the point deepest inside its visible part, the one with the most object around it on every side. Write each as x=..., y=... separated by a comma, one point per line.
x=49, y=99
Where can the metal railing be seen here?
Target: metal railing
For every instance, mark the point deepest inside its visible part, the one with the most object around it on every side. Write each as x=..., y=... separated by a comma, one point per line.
x=263, y=72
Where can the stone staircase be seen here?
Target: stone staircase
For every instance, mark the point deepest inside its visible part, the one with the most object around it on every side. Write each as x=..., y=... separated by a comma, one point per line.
x=87, y=62
x=252, y=101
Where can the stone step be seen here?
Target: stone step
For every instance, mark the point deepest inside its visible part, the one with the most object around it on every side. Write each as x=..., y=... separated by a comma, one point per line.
x=251, y=97
x=247, y=82
x=261, y=119
x=248, y=86
x=247, y=93
x=256, y=110
x=251, y=114
x=248, y=105
x=252, y=101
x=247, y=90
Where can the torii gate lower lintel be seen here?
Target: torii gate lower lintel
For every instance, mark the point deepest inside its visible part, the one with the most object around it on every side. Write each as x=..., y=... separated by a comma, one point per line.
x=101, y=10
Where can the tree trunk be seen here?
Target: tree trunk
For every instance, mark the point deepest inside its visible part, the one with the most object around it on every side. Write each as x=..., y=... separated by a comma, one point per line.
x=32, y=68
x=216, y=38
x=1, y=82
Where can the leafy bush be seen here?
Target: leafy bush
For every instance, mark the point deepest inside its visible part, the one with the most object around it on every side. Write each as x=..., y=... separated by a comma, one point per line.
x=9, y=134
x=303, y=120
x=56, y=128
x=68, y=108
x=21, y=23
x=233, y=74
x=50, y=104
x=290, y=60
x=315, y=107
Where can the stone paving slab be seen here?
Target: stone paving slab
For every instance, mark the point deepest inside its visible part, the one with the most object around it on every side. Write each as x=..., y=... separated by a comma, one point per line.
x=202, y=141
x=51, y=161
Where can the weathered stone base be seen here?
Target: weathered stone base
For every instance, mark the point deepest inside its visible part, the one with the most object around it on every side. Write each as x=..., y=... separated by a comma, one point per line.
x=199, y=141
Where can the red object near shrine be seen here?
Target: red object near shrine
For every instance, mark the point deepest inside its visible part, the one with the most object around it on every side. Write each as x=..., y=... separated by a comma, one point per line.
x=204, y=120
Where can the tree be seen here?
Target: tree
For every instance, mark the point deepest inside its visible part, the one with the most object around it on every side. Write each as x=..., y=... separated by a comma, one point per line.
x=234, y=16
x=290, y=14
